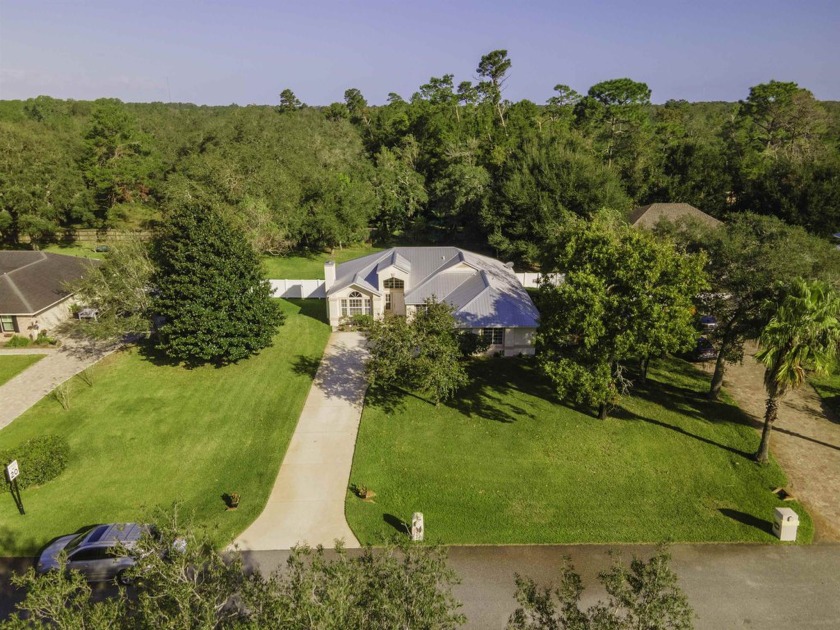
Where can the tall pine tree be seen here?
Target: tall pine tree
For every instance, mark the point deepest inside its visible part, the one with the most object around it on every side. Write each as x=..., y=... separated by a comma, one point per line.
x=217, y=307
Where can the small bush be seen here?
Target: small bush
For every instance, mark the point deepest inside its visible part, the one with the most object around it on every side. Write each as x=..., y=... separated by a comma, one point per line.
x=62, y=395
x=41, y=459
x=44, y=340
x=360, y=322
x=18, y=342
x=86, y=376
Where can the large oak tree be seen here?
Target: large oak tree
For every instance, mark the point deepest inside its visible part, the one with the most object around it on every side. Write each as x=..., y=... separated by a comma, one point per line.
x=215, y=305
x=625, y=296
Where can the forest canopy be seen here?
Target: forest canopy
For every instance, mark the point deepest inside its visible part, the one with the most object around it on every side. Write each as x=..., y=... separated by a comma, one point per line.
x=454, y=162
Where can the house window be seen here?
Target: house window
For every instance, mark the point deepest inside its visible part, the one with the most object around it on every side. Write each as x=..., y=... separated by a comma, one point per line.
x=7, y=323
x=356, y=304
x=494, y=336
x=387, y=301
x=393, y=283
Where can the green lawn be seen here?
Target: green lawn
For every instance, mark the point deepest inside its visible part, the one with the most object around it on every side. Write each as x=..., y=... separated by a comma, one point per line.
x=85, y=250
x=147, y=434
x=13, y=364
x=503, y=464
x=310, y=267
x=297, y=267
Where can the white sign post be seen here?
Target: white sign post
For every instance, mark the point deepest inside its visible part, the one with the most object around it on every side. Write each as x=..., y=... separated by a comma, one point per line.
x=12, y=473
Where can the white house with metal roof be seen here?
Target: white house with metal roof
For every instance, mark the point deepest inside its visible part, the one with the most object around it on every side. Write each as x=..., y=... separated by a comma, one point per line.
x=485, y=294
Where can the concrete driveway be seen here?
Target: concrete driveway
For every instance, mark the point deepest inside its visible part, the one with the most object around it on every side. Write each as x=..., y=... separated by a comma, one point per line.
x=307, y=501
x=24, y=390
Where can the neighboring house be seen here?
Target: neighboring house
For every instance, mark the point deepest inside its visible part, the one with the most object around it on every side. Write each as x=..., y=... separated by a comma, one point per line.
x=648, y=216
x=485, y=294
x=33, y=291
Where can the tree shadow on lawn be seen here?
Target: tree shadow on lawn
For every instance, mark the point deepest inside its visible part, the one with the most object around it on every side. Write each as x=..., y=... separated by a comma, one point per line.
x=397, y=523
x=312, y=308
x=304, y=365
x=748, y=519
x=831, y=407
x=492, y=384
x=624, y=414
x=688, y=403
x=829, y=396
x=150, y=352
x=487, y=396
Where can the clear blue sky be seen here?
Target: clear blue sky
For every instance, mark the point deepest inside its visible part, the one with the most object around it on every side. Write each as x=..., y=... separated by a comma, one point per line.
x=246, y=51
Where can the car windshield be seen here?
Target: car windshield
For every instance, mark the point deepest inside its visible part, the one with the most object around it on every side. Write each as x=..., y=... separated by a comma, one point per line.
x=78, y=539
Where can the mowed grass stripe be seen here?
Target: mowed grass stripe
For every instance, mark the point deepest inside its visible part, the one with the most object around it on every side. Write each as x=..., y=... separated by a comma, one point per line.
x=13, y=364
x=504, y=463
x=147, y=434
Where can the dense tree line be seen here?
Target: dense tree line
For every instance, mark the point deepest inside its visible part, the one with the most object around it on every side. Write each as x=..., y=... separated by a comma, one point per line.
x=454, y=162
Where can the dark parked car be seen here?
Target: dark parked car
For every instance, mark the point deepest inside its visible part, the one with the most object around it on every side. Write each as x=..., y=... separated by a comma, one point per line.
x=703, y=351
x=708, y=322
x=95, y=551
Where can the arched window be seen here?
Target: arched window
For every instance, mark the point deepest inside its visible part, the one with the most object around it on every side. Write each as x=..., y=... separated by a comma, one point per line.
x=355, y=304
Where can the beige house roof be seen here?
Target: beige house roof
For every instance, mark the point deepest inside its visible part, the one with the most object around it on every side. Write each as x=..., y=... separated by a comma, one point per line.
x=648, y=216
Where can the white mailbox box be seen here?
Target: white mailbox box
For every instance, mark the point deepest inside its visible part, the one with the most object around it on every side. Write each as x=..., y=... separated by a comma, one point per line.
x=785, y=523
x=417, y=527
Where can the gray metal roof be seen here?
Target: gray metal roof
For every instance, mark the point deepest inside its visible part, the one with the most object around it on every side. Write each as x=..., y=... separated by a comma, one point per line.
x=484, y=292
x=32, y=281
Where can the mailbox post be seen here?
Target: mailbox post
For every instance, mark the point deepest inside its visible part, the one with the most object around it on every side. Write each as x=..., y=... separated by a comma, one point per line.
x=417, y=527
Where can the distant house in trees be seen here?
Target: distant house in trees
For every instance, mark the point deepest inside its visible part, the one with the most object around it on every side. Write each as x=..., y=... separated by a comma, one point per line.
x=33, y=291
x=484, y=293
x=648, y=216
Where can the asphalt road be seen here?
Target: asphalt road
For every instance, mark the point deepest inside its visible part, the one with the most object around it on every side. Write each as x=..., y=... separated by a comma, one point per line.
x=729, y=586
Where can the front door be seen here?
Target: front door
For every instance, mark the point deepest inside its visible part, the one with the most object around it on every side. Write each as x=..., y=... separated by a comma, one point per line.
x=395, y=296
x=398, y=301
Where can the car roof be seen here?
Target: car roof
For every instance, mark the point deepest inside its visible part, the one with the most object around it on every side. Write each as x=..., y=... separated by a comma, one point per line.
x=113, y=533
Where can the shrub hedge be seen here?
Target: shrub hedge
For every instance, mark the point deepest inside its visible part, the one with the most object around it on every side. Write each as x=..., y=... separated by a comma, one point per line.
x=17, y=341
x=40, y=459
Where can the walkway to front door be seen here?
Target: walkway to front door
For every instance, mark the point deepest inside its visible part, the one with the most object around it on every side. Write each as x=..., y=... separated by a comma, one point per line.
x=306, y=504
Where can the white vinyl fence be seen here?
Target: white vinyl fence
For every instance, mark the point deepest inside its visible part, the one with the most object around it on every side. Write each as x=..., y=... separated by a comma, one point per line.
x=298, y=288
x=532, y=280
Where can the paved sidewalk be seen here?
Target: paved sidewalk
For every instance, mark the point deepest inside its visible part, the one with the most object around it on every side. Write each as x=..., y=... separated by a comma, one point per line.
x=307, y=501
x=31, y=385
x=805, y=441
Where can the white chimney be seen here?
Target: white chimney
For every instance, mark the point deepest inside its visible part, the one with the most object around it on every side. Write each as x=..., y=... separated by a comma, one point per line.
x=329, y=274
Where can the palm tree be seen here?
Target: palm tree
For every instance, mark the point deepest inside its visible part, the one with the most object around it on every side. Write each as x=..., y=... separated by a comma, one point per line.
x=804, y=330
